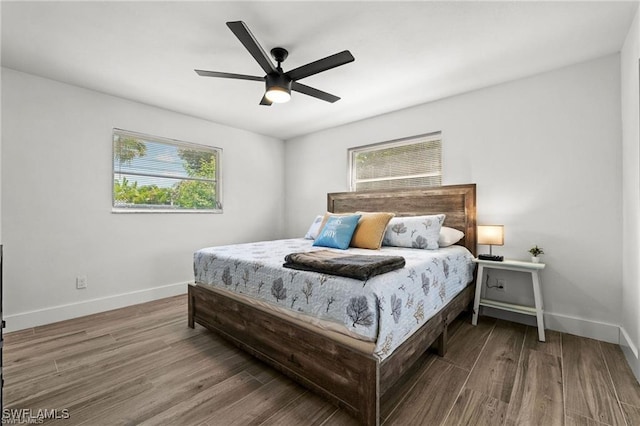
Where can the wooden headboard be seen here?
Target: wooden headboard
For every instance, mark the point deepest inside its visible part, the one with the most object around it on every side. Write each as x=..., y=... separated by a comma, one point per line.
x=458, y=202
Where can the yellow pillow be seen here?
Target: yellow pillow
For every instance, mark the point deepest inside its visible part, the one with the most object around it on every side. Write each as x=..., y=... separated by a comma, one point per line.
x=370, y=230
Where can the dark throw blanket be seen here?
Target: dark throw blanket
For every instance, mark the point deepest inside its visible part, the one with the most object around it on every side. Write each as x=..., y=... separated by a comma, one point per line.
x=358, y=266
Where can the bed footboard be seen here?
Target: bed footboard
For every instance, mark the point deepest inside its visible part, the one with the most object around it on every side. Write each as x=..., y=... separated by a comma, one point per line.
x=346, y=377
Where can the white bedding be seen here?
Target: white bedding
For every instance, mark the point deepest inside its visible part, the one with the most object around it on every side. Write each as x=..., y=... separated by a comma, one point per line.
x=386, y=309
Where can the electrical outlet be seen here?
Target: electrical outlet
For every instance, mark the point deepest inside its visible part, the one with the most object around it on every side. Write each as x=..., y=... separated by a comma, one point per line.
x=501, y=285
x=81, y=282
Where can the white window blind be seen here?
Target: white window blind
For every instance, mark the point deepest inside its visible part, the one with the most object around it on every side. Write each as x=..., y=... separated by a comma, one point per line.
x=157, y=174
x=404, y=163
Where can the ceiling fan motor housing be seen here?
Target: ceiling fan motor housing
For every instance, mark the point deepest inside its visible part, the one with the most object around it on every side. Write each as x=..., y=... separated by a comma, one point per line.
x=278, y=80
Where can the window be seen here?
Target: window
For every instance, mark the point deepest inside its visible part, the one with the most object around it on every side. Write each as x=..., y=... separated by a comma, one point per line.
x=403, y=163
x=164, y=175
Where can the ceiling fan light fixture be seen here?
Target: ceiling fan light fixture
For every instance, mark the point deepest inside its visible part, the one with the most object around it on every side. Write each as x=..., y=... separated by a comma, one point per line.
x=278, y=88
x=278, y=95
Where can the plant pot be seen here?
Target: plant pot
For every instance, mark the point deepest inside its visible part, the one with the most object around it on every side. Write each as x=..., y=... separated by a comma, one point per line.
x=535, y=259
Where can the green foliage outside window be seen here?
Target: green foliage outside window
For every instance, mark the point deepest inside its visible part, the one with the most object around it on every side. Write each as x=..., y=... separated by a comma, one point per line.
x=153, y=174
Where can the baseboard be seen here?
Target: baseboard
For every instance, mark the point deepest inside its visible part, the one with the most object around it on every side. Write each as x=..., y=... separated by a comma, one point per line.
x=625, y=340
x=583, y=327
x=630, y=351
x=567, y=324
x=87, y=307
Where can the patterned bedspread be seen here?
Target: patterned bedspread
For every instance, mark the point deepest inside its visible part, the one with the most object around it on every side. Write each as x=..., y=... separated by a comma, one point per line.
x=385, y=309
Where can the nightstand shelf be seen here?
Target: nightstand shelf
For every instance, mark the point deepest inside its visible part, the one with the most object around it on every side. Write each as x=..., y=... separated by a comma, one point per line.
x=521, y=309
x=512, y=265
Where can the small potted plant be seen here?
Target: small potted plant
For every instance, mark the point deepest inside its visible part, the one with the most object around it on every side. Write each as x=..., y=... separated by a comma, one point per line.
x=535, y=253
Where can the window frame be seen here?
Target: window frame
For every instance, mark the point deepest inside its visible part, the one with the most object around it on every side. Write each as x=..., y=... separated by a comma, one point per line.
x=412, y=140
x=172, y=142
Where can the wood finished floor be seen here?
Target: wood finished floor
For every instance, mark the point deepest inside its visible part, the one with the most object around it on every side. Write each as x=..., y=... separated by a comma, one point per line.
x=115, y=368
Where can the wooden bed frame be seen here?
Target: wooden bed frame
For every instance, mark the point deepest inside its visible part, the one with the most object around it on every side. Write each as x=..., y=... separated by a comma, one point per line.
x=353, y=380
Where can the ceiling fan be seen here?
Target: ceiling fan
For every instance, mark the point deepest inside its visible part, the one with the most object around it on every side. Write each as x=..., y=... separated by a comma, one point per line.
x=279, y=84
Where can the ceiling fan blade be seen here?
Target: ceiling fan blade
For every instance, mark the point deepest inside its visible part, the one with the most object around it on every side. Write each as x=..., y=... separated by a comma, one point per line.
x=265, y=101
x=204, y=73
x=314, y=92
x=251, y=44
x=320, y=65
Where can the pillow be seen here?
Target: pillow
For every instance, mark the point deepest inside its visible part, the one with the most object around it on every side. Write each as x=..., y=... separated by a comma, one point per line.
x=337, y=232
x=327, y=215
x=314, y=229
x=420, y=232
x=449, y=236
x=370, y=230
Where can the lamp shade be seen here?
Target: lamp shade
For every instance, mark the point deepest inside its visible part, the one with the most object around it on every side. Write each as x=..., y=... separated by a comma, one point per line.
x=491, y=235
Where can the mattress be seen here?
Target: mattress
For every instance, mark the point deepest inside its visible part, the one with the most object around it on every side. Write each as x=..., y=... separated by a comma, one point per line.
x=385, y=309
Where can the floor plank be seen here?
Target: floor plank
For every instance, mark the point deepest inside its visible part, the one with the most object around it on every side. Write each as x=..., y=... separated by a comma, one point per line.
x=422, y=407
x=476, y=409
x=495, y=372
x=25, y=347
x=186, y=381
x=70, y=392
x=259, y=405
x=631, y=414
x=404, y=386
x=467, y=342
x=627, y=388
x=16, y=337
x=574, y=419
x=589, y=390
x=87, y=409
x=20, y=391
x=28, y=370
x=552, y=344
x=207, y=402
x=308, y=410
x=339, y=418
x=537, y=397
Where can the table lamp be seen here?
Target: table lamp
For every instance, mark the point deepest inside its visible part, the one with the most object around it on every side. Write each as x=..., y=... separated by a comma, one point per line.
x=491, y=235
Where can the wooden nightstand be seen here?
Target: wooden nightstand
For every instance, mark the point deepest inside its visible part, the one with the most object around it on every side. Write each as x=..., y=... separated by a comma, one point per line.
x=512, y=265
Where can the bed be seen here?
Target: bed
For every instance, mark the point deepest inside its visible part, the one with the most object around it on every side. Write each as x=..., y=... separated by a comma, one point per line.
x=351, y=376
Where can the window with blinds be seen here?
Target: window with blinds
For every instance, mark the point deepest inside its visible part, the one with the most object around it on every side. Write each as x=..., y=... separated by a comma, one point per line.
x=164, y=175
x=404, y=163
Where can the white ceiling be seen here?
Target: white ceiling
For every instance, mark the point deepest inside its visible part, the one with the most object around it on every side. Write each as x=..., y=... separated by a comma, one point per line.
x=407, y=53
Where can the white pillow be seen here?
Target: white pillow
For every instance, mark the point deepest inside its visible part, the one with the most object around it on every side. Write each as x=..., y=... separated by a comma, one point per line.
x=314, y=229
x=449, y=236
x=421, y=232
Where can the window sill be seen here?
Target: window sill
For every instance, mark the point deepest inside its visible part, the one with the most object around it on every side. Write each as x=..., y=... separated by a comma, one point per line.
x=162, y=210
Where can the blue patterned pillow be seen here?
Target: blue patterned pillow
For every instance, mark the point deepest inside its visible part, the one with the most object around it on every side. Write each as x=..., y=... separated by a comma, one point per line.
x=419, y=232
x=337, y=232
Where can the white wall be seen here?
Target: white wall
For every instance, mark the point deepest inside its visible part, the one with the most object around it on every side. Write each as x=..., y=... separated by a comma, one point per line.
x=56, y=202
x=631, y=195
x=545, y=153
